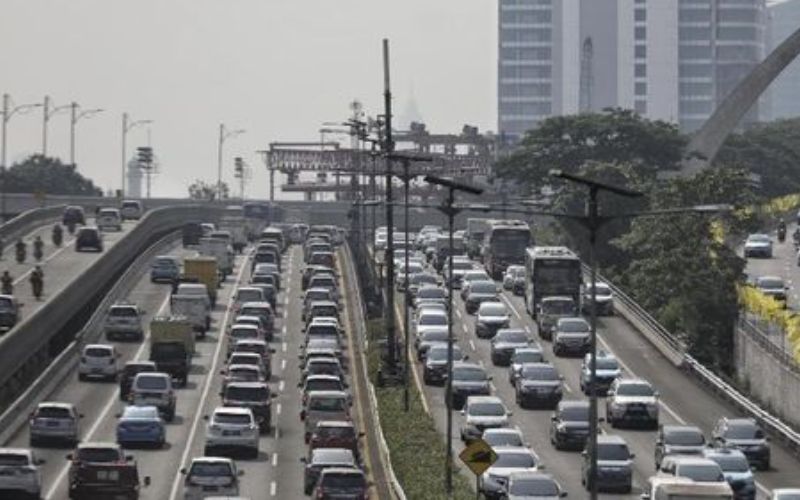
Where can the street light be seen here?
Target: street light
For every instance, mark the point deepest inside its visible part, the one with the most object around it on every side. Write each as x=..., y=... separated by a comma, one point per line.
x=75, y=117
x=8, y=112
x=223, y=135
x=126, y=127
x=48, y=113
x=450, y=210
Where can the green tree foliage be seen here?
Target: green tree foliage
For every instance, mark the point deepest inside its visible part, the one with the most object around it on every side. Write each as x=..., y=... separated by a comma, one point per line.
x=206, y=191
x=48, y=175
x=615, y=136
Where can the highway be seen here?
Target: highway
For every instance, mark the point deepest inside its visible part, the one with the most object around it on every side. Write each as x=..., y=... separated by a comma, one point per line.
x=277, y=472
x=683, y=400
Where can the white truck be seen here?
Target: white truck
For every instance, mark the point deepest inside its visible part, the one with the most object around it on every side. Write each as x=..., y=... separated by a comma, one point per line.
x=191, y=300
x=238, y=229
x=681, y=488
x=220, y=250
x=473, y=237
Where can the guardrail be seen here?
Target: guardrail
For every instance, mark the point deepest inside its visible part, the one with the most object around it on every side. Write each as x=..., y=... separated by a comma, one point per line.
x=14, y=228
x=675, y=350
x=16, y=414
x=31, y=338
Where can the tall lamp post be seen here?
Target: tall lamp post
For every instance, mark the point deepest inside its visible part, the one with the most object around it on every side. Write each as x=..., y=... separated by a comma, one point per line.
x=224, y=134
x=450, y=210
x=8, y=111
x=48, y=113
x=75, y=117
x=127, y=125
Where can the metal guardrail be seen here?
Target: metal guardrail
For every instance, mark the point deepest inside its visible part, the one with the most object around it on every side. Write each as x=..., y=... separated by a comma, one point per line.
x=675, y=350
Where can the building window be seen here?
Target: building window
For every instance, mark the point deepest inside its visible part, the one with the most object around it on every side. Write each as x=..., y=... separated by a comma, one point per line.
x=743, y=15
x=695, y=107
x=640, y=70
x=694, y=33
x=737, y=33
x=526, y=54
x=694, y=52
x=694, y=70
x=695, y=88
x=525, y=90
x=640, y=51
x=640, y=88
x=526, y=16
x=525, y=71
x=640, y=15
x=526, y=35
x=694, y=15
x=738, y=53
x=641, y=107
x=640, y=33
x=524, y=108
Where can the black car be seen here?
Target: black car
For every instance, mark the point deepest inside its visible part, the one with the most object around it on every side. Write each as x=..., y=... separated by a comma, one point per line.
x=504, y=344
x=129, y=372
x=469, y=379
x=538, y=386
x=9, y=312
x=254, y=395
x=191, y=233
x=89, y=237
x=73, y=214
x=434, y=370
x=569, y=425
x=744, y=434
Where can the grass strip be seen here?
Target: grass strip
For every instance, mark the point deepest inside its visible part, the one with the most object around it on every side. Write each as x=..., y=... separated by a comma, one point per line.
x=416, y=447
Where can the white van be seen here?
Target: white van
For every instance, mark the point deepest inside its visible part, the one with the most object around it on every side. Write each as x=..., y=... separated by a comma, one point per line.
x=109, y=218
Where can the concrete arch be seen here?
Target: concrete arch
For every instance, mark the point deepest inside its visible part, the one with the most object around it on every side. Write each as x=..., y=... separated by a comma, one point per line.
x=707, y=141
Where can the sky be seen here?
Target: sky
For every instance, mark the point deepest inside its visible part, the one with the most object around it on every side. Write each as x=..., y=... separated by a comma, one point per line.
x=276, y=68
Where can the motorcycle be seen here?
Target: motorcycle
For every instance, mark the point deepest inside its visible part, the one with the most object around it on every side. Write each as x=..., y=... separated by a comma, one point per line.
x=37, y=285
x=781, y=234
x=71, y=227
x=8, y=287
x=58, y=236
x=38, y=253
x=21, y=254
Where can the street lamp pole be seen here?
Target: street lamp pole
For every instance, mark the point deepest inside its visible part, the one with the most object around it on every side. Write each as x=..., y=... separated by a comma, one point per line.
x=223, y=135
x=127, y=125
x=75, y=117
x=48, y=113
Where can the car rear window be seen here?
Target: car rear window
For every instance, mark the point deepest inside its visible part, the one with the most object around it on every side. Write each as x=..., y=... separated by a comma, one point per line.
x=123, y=312
x=53, y=412
x=248, y=295
x=151, y=383
x=97, y=352
x=324, y=385
x=344, y=481
x=98, y=454
x=244, y=333
x=208, y=469
x=327, y=404
x=612, y=451
x=13, y=460
x=246, y=393
x=232, y=418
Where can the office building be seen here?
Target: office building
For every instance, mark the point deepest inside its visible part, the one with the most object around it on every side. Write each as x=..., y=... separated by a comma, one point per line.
x=784, y=19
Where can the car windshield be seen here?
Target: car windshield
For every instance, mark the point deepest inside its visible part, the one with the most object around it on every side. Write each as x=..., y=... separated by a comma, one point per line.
x=329, y=311
x=516, y=460
x=770, y=283
x=558, y=306
x=249, y=296
x=487, y=287
x=515, y=336
x=635, y=389
x=469, y=373
x=493, y=309
x=164, y=263
x=606, y=364
x=98, y=454
x=573, y=326
x=237, y=393
x=323, y=385
x=242, y=373
x=332, y=432
x=210, y=469
x=254, y=311
x=539, y=373
x=528, y=357
x=324, y=282
x=327, y=404
x=433, y=320
x=343, y=481
x=97, y=352
x=317, y=295
x=703, y=473
x=245, y=359
x=684, y=437
x=576, y=413
x=151, y=383
x=13, y=459
x=440, y=353
x=232, y=418
x=430, y=293
x=129, y=312
x=244, y=333
x=758, y=238
x=612, y=451
x=462, y=265
x=744, y=430
x=538, y=487
x=53, y=412
x=503, y=438
x=732, y=463
x=487, y=409
x=435, y=336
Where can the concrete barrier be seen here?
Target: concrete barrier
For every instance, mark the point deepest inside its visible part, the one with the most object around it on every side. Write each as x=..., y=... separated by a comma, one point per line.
x=25, y=221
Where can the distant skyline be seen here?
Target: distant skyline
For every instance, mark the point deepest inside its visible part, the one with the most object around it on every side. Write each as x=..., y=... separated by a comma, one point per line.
x=277, y=69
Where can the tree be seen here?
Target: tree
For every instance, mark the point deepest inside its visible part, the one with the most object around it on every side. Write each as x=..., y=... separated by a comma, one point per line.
x=201, y=190
x=40, y=173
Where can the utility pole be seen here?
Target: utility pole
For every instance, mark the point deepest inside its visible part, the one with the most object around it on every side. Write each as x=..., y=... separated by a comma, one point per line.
x=127, y=125
x=46, y=116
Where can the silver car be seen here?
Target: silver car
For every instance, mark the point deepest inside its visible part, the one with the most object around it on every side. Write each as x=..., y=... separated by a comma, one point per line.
x=52, y=421
x=19, y=472
x=232, y=428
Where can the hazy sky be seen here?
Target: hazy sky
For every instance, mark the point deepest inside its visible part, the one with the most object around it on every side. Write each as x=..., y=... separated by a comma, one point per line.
x=277, y=68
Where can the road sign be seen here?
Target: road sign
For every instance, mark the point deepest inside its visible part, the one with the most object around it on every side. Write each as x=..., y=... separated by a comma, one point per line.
x=478, y=456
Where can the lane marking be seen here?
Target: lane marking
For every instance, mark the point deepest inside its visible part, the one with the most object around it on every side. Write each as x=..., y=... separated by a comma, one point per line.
x=283, y=347
x=206, y=387
x=283, y=364
x=281, y=386
x=278, y=409
x=472, y=345
x=275, y=459
x=510, y=306
x=273, y=488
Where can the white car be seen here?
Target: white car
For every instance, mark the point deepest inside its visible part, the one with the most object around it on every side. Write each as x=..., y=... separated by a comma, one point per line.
x=232, y=428
x=510, y=459
x=604, y=299
x=211, y=476
x=758, y=245
x=131, y=210
x=19, y=472
x=109, y=218
x=124, y=320
x=698, y=469
x=430, y=319
x=632, y=401
x=98, y=361
x=154, y=389
x=481, y=413
x=785, y=494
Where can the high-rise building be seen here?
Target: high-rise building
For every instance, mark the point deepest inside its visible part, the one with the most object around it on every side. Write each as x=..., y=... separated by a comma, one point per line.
x=134, y=183
x=671, y=60
x=784, y=20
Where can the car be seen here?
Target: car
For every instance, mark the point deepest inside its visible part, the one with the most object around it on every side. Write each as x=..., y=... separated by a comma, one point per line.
x=491, y=317
x=322, y=309
x=520, y=356
x=256, y=321
x=510, y=459
x=481, y=413
x=736, y=470
x=514, y=279
x=746, y=435
x=429, y=338
x=469, y=379
x=569, y=425
x=478, y=292
x=248, y=358
x=539, y=385
x=89, y=237
x=678, y=440
x=461, y=265
x=505, y=343
x=207, y=476
x=54, y=421
x=772, y=286
x=322, y=366
x=19, y=473
x=503, y=436
x=571, y=337
x=758, y=245
x=73, y=214
x=9, y=312
x=335, y=434
x=242, y=373
x=419, y=280
x=94, y=453
x=604, y=299
x=109, y=218
x=698, y=469
x=257, y=396
x=632, y=401
x=131, y=209
x=124, y=321
x=607, y=370
x=129, y=372
x=785, y=494
x=430, y=320
x=434, y=368
x=106, y=480
x=533, y=486
x=232, y=429
x=165, y=269
x=323, y=458
x=324, y=405
x=98, y=361
x=139, y=425
x=264, y=311
x=614, y=465
x=311, y=271
x=550, y=310
x=471, y=275
x=154, y=389
x=341, y=482
x=240, y=332
x=256, y=346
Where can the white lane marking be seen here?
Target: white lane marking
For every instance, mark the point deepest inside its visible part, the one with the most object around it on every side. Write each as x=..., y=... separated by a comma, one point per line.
x=567, y=388
x=45, y=261
x=277, y=432
x=106, y=408
x=510, y=306
x=283, y=330
x=206, y=388
x=273, y=488
x=464, y=327
x=281, y=385
x=472, y=345
x=528, y=329
x=274, y=459
x=278, y=409
x=493, y=387
x=283, y=364
x=283, y=347
x=458, y=313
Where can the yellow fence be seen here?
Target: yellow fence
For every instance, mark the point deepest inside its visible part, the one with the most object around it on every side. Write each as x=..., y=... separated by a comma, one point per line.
x=773, y=311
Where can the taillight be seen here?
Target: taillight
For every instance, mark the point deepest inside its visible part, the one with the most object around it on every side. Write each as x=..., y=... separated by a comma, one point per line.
x=320, y=494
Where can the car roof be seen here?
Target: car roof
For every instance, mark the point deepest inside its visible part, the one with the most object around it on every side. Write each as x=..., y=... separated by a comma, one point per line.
x=611, y=439
x=140, y=363
x=342, y=470
x=332, y=455
x=213, y=460
x=322, y=376
x=101, y=346
x=99, y=444
x=17, y=451
x=513, y=449
x=55, y=404
x=336, y=423
x=233, y=409
x=262, y=304
x=676, y=428
x=246, y=326
x=573, y=403
x=689, y=460
x=327, y=394
x=138, y=411
x=484, y=399
x=247, y=385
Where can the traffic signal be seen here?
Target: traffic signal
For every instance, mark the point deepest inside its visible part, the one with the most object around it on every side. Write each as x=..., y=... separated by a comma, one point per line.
x=145, y=156
x=238, y=167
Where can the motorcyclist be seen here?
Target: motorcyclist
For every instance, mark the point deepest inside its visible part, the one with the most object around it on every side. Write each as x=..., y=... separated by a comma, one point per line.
x=22, y=249
x=7, y=282
x=38, y=248
x=71, y=227
x=796, y=236
x=781, y=231
x=58, y=235
x=37, y=282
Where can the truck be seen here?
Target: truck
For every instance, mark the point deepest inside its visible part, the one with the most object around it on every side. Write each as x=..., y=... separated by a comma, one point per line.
x=171, y=346
x=551, y=272
x=443, y=250
x=681, y=488
x=238, y=229
x=212, y=247
x=473, y=238
x=202, y=269
x=195, y=308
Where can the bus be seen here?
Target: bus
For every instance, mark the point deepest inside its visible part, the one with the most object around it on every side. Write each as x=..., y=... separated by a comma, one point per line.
x=504, y=244
x=681, y=488
x=551, y=271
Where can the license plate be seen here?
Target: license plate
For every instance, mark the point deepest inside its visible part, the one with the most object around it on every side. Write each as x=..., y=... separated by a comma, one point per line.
x=230, y=433
x=209, y=488
x=52, y=424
